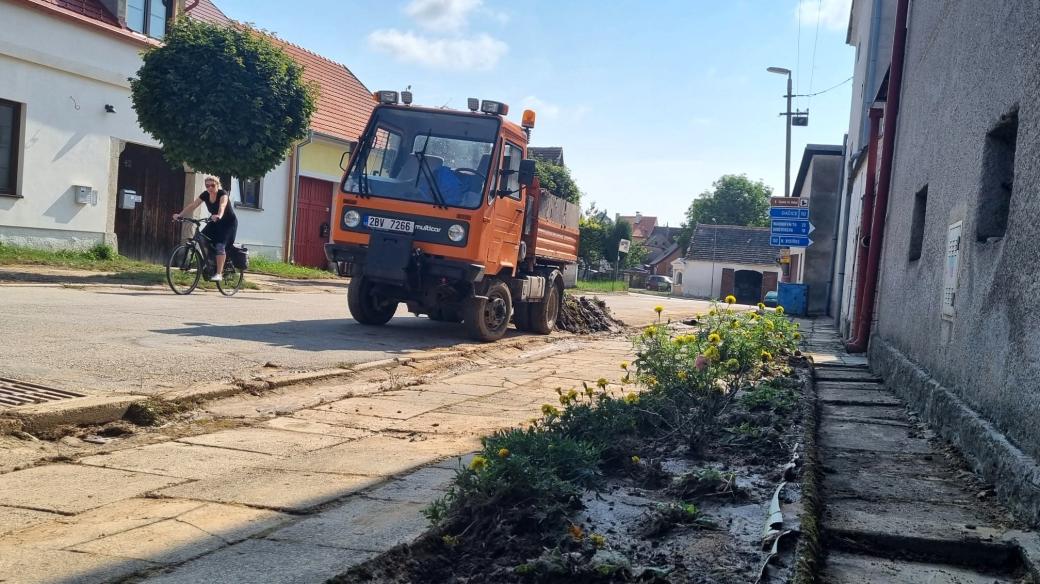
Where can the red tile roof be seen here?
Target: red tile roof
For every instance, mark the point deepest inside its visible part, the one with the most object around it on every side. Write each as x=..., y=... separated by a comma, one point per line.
x=344, y=103
x=92, y=9
x=642, y=228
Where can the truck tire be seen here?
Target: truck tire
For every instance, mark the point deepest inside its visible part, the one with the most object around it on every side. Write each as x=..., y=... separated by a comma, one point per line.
x=365, y=307
x=488, y=318
x=543, y=315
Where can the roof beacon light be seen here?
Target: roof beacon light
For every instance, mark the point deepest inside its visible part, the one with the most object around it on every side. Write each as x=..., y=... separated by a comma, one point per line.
x=386, y=97
x=406, y=97
x=473, y=104
x=494, y=107
x=528, y=119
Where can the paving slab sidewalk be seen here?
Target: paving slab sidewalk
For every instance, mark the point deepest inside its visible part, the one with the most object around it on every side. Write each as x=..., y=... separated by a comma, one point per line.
x=899, y=508
x=292, y=498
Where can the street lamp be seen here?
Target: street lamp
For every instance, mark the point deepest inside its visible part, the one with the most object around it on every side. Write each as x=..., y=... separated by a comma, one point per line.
x=787, y=167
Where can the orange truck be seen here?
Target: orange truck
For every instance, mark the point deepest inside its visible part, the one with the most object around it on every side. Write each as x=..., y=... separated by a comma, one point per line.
x=440, y=209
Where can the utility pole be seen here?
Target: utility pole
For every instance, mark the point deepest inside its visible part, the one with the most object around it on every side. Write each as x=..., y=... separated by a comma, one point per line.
x=793, y=118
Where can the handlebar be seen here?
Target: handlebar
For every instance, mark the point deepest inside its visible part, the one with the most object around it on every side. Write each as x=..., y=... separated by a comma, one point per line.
x=195, y=221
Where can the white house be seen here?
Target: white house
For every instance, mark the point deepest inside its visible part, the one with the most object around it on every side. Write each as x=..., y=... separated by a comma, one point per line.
x=69, y=138
x=728, y=259
x=76, y=169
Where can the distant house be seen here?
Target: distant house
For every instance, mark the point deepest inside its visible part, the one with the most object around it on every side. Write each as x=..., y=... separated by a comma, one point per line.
x=661, y=238
x=660, y=263
x=550, y=154
x=642, y=225
x=819, y=180
x=728, y=259
x=287, y=212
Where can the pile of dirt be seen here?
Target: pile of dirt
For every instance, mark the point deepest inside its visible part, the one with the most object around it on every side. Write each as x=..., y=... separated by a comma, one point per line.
x=582, y=315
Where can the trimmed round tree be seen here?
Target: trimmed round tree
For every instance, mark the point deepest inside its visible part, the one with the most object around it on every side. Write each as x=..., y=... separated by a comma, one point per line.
x=223, y=100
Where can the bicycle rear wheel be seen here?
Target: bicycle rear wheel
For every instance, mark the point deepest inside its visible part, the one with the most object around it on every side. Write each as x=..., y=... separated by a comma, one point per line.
x=184, y=269
x=231, y=280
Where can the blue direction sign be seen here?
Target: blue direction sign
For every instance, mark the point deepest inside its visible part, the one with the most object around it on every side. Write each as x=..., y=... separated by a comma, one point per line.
x=788, y=213
x=790, y=240
x=791, y=227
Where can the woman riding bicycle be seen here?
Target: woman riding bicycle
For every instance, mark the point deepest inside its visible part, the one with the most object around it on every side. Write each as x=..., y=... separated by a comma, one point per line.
x=224, y=224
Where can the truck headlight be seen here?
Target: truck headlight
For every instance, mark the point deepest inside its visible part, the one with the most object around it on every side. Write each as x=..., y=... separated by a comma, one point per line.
x=456, y=232
x=352, y=218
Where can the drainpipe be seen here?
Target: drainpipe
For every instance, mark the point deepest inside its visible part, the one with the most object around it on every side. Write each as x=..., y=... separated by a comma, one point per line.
x=877, y=229
x=866, y=218
x=294, y=190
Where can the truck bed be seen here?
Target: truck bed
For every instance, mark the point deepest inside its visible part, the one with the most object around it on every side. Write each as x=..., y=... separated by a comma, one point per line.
x=556, y=229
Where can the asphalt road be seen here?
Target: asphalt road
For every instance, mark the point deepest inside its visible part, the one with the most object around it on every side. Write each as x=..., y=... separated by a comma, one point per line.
x=107, y=339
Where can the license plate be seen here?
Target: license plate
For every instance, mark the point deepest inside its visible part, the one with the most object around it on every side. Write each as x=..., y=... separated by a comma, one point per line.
x=387, y=224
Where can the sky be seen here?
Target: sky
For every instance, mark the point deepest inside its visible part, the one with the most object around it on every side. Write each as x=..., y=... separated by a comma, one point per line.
x=651, y=101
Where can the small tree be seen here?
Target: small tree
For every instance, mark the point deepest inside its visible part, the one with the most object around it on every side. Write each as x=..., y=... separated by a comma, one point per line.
x=557, y=179
x=224, y=100
x=733, y=200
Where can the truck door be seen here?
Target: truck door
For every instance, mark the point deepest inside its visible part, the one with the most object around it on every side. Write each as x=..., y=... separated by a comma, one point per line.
x=507, y=216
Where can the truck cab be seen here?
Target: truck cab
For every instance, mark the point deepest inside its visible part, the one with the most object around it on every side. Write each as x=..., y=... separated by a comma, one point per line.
x=440, y=210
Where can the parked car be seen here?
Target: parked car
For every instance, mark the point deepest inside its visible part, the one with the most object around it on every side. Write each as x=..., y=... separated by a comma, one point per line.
x=771, y=299
x=659, y=283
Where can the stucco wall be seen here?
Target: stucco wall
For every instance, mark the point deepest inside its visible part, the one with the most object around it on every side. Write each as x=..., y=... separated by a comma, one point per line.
x=825, y=172
x=64, y=74
x=698, y=281
x=320, y=159
x=967, y=64
x=263, y=230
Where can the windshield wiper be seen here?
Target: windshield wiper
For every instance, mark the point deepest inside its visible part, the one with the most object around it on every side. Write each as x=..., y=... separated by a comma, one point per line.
x=423, y=165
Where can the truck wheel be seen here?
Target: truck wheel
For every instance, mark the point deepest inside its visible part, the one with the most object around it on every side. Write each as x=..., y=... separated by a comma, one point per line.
x=543, y=314
x=487, y=319
x=366, y=307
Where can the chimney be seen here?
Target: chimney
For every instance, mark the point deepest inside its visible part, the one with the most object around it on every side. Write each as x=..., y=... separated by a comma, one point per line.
x=639, y=216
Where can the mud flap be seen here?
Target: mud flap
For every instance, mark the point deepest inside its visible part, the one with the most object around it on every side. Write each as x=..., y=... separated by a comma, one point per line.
x=388, y=257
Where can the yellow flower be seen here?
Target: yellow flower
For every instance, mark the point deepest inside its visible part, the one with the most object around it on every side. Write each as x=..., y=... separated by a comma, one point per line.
x=573, y=394
x=624, y=365
x=769, y=325
x=797, y=336
x=478, y=464
x=549, y=410
x=779, y=309
x=734, y=323
x=601, y=383
x=503, y=453
x=733, y=365
x=635, y=459
x=649, y=331
x=650, y=381
x=712, y=353
x=681, y=375
x=766, y=356
x=632, y=398
x=564, y=400
x=714, y=338
x=658, y=309
x=731, y=299
x=761, y=306
x=450, y=540
x=598, y=540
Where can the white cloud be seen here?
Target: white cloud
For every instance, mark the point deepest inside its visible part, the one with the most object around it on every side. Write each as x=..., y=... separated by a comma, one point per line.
x=479, y=52
x=833, y=14
x=442, y=15
x=542, y=108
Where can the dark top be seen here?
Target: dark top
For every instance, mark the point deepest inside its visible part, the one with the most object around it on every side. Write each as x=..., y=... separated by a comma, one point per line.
x=224, y=230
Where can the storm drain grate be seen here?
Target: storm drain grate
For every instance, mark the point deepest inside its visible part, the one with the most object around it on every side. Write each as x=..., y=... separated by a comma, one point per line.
x=19, y=393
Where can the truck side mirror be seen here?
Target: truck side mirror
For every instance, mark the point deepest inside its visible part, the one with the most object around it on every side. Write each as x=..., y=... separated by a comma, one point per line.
x=526, y=175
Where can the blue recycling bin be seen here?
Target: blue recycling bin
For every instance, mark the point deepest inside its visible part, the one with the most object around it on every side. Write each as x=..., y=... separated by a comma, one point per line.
x=793, y=297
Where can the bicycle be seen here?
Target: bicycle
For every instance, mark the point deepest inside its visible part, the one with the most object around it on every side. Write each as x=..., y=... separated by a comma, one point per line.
x=193, y=259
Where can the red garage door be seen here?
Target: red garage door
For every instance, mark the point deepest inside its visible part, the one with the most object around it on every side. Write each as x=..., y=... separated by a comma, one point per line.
x=313, y=212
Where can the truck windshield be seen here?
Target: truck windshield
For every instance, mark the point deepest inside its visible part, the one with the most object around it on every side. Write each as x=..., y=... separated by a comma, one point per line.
x=415, y=155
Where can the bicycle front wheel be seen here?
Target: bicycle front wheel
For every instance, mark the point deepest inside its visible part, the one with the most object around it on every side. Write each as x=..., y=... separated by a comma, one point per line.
x=232, y=279
x=184, y=269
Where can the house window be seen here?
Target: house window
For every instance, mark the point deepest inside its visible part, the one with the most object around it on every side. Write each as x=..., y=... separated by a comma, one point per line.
x=10, y=139
x=148, y=16
x=249, y=192
x=917, y=224
x=678, y=278
x=998, y=179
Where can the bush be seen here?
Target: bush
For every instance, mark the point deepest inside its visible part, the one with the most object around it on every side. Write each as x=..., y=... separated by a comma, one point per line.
x=102, y=252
